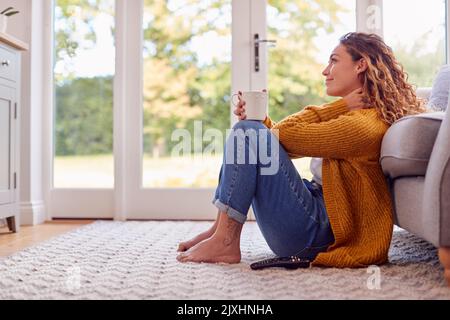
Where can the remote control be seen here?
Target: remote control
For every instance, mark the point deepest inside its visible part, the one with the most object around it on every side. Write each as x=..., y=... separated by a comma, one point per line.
x=291, y=262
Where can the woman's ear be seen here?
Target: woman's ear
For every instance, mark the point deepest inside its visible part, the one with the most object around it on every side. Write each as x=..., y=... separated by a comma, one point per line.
x=361, y=65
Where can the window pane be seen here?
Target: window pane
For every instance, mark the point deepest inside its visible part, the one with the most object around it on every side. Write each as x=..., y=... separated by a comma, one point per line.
x=187, y=54
x=306, y=32
x=417, y=36
x=84, y=71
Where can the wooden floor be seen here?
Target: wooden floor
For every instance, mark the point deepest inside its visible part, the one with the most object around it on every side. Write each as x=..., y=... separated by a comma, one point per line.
x=32, y=235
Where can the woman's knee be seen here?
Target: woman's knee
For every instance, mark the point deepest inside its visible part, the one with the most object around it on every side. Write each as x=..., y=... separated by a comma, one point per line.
x=249, y=124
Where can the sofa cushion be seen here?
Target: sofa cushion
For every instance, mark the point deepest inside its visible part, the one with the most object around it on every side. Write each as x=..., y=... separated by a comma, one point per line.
x=438, y=99
x=407, y=144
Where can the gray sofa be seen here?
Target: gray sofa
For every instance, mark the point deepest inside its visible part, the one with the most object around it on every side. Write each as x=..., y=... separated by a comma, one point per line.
x=415, y=157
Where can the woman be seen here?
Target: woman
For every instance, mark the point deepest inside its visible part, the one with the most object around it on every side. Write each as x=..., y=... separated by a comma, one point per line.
x=345, y=222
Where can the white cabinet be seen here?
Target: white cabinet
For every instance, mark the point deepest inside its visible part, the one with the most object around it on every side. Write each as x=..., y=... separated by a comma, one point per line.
x=9, y=133
x=7, y=138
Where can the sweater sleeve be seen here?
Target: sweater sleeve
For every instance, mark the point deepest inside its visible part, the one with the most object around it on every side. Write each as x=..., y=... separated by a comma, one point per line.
x=268, y=122
x=317, y=113
x=329, y=131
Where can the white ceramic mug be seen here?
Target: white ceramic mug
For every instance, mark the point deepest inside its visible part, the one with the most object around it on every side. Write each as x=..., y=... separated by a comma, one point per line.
x=256, y=104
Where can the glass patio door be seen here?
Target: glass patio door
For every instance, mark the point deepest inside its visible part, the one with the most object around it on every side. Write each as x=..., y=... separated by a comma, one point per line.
x=141, y=104
x=143, y=92
x=181, y=108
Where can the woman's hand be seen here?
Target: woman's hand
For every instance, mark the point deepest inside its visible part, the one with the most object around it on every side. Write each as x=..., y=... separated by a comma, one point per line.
x=240, y=108
x=355, y=100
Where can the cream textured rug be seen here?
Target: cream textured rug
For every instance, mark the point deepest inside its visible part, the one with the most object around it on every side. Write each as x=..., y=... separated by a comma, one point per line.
x=136, y=260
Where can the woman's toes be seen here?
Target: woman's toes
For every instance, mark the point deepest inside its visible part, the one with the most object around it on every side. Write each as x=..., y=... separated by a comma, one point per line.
x=180, y=257
x=182, y=247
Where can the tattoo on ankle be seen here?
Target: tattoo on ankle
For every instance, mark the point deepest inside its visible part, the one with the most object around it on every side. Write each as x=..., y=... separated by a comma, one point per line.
x=232, y=232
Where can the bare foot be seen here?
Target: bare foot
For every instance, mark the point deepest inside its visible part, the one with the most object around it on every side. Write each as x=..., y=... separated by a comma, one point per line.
x=222, y=246
x=212, y=250
x=186, y=245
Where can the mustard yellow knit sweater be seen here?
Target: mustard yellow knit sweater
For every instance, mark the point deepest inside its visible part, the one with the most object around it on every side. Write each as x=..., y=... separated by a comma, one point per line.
x=355, y=189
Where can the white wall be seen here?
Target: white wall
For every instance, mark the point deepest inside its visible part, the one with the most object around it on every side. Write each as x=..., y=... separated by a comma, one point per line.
x=19, y=23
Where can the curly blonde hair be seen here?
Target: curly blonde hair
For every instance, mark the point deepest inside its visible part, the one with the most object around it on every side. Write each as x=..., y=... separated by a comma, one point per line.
x=384, y=82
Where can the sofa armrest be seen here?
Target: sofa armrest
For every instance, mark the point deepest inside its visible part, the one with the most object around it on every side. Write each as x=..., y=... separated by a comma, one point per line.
x=436, y=201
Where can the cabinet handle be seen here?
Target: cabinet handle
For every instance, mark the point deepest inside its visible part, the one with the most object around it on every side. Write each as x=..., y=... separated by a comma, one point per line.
x=5, y=63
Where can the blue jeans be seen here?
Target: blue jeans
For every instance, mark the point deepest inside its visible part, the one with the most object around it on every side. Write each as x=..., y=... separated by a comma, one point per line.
x=289, y=210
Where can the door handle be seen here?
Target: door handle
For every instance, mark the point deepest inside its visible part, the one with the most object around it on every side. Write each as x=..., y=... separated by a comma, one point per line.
x=257, y=41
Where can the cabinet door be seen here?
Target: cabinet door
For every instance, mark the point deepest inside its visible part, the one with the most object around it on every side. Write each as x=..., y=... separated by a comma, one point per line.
x=6, y=146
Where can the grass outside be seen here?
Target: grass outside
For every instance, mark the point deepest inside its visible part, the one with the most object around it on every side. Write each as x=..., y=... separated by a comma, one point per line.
x=166, y=172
